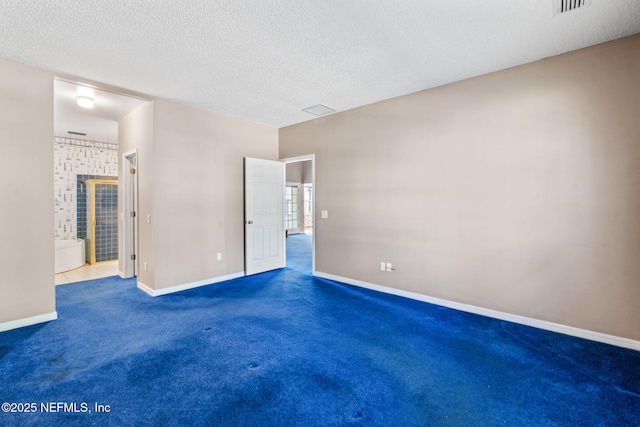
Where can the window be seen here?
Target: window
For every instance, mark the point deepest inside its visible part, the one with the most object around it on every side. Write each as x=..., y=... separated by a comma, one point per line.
x=291, y=207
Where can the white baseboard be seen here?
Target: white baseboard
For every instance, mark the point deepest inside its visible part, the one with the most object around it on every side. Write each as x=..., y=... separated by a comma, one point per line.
x=185, y=286
x=145, y=288
x=28, y=321
x=528, y=321
x=121, y=274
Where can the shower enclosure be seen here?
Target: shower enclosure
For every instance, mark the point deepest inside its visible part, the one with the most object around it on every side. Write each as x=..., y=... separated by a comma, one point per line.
x=102, y=220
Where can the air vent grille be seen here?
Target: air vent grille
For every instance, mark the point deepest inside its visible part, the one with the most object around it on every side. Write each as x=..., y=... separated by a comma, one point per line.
x=319, y=110
x=563, y=6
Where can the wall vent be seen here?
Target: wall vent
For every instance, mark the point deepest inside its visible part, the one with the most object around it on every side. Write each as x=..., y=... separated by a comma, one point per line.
x=564, y=6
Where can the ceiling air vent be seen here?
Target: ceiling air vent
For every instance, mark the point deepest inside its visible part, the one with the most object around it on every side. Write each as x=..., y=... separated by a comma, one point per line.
x=319, y=110
x=563, y=6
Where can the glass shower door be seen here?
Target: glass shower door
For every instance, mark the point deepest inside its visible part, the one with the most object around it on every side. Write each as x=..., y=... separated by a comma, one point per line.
x=102, y=220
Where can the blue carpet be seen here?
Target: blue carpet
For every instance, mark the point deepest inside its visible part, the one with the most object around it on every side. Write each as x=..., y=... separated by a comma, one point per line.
x=284, y=348
x=299, y=252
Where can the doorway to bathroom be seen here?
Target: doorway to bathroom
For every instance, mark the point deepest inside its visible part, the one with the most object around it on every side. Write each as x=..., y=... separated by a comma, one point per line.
x=87, y=189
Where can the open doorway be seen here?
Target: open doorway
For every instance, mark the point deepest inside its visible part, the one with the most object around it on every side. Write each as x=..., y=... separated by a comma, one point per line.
x=299, y=213
x=86, y=184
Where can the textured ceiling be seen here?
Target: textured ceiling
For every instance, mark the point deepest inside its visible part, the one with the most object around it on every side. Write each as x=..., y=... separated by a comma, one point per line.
x=267, y=60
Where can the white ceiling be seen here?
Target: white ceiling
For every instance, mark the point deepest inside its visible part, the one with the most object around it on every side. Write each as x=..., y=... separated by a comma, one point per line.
x=100, y=123
x=267, y=60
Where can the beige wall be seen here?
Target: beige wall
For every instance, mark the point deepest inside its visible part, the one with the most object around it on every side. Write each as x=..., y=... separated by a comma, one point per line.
x=135, y=131
x=26, y=170
x=517, y=191
x=198, y=192
x=307, y=177
x=294, y=172
x=299, y=172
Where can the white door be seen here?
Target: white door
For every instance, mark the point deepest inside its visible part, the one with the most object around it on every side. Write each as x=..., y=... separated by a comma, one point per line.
x=263, y=215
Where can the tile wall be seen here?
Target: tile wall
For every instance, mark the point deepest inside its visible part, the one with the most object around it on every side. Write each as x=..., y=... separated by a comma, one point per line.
x=106, y=222
x=73, y=157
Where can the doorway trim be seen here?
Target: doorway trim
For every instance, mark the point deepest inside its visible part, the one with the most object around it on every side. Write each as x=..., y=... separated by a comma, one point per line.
x=129, y=223
x=303, y=158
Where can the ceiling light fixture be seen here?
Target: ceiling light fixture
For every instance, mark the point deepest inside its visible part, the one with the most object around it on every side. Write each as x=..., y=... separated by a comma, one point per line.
x=85, y=97
x=319, y=110
x=85, y=102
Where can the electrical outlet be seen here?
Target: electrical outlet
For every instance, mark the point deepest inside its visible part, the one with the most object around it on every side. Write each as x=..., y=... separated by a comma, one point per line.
x=219, y=256
x=389, y=267
x=383, y=266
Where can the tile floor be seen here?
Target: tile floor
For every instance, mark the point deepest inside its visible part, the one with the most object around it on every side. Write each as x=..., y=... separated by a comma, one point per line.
x=88, y=272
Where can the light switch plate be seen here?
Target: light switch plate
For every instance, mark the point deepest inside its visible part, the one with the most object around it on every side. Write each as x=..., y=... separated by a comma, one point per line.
x=325, y=214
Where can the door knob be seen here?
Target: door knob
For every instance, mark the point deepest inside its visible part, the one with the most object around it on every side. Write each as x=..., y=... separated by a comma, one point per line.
x=250, y=222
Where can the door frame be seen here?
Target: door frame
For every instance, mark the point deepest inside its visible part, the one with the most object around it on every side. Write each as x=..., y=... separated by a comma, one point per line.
x=303, y=158
x=129, y=204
